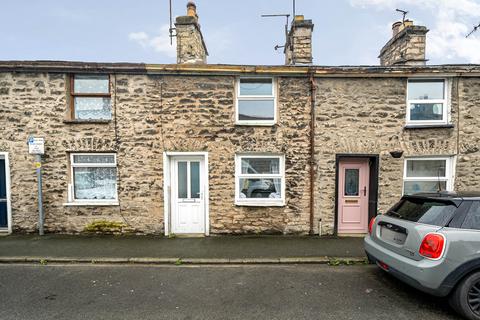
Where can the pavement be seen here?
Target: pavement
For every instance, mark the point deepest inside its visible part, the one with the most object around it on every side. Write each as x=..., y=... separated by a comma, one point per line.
x=307, y=291
x=163, y=250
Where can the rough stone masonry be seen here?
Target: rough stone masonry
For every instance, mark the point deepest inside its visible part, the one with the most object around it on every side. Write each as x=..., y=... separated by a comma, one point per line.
x=170, y=112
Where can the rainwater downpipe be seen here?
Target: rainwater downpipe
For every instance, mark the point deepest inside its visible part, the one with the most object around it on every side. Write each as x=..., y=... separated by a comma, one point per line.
x=313, y=91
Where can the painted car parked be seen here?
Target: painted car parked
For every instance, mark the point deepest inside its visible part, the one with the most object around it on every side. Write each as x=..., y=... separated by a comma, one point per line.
x=432, y=242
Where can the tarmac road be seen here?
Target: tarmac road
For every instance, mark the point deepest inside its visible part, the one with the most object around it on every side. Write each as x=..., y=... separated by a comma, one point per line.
x=210, y=292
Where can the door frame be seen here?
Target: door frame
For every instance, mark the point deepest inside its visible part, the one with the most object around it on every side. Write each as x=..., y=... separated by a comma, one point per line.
x=167, y=183
x=374, y=164
x=9, y=196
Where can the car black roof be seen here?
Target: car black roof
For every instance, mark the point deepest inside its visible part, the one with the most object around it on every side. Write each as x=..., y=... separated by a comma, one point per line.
x=448, y=195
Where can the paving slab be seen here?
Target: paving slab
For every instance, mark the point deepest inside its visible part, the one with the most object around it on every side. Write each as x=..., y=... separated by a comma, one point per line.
x=154, y=249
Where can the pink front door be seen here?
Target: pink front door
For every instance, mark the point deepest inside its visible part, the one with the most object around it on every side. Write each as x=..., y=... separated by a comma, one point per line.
x=353, y=191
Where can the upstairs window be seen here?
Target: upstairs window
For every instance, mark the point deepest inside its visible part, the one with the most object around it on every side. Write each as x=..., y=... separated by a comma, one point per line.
x=256, y=103
x=90, y=97
x=427, y=102
x=260, y=180
x=427, y=175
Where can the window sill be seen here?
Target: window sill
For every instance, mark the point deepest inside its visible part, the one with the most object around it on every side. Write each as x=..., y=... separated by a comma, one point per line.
x=255, y=124
x=429, y=126
x=260, y=204
x=87, y=121
x=91, y=204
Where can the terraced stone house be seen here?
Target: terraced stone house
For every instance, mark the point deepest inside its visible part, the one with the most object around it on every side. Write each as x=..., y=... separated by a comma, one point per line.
x=195, y=148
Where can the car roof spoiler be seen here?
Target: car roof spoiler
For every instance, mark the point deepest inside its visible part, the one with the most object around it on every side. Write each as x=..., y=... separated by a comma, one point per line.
x=436, y=197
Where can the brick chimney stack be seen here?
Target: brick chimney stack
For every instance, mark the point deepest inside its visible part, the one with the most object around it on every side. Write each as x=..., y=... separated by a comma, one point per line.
x=406, y=47
x=191, y=47
x=298, y=49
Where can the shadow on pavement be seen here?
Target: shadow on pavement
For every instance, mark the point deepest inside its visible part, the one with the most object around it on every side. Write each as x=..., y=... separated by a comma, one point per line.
x=412, y=295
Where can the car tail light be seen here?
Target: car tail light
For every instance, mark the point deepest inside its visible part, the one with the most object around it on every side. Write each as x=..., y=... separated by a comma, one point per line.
x=383, y=265
x=370, y=225
x=432, y=246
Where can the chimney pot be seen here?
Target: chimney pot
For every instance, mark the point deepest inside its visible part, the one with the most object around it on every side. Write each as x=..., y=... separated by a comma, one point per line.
x=407, y=23
x=192, y=9
x=396, y=28
x=299, y=18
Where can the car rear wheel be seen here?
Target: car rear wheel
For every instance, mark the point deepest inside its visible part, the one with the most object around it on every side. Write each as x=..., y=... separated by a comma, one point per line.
x=466, y=297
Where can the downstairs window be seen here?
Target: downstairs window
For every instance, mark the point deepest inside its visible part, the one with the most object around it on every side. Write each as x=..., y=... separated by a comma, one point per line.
x=93, y=177
x=427, y=175
x=260, y=180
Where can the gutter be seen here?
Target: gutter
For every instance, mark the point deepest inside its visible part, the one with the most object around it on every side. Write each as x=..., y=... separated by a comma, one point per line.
x=226, y=70
x=317, y=71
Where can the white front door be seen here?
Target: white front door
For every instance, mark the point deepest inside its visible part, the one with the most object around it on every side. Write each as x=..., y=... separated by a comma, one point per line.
x=188, y=195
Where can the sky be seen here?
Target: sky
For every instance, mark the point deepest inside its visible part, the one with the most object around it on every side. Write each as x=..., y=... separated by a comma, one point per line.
x=347, y=32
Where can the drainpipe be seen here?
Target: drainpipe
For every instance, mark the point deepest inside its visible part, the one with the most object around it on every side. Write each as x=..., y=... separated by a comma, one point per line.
x=313, y=91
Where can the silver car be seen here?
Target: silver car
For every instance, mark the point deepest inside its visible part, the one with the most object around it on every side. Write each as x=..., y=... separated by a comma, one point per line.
x=432, y=242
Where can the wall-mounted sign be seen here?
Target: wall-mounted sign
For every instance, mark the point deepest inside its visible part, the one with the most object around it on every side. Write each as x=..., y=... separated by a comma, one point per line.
x=36, y=145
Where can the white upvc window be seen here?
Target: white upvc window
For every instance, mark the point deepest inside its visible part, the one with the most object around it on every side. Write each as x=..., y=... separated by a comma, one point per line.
x=93, y=178
x=256, y=101
x=427, y=102
x=428, y=174
x=260, y=180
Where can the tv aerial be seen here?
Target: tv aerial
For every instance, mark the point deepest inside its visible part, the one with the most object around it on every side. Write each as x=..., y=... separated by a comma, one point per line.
x=404, y=13
x=287, y=16
x=171, y=29
x=473, y=31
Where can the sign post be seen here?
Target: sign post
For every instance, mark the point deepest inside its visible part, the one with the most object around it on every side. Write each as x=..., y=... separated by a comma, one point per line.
x=36, y=146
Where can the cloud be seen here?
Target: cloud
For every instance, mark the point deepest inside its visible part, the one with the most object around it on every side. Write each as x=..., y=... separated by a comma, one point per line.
x=219, y=43
x=453, y=19
x=159, y=43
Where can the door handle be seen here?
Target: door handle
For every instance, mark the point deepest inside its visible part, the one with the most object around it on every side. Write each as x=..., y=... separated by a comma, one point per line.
x=365, y=191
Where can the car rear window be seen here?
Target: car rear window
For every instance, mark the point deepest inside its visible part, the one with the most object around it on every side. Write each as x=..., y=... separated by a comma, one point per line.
x=437, y=213
x=472, y=221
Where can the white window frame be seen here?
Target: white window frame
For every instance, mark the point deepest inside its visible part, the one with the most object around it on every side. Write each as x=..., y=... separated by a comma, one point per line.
x=259, y=202
x=449, y=172
x=71, y=185
x=445, y=104
x=253, y=98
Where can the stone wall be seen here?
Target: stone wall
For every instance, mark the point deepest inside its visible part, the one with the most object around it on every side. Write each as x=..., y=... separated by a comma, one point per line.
x=36, y=104
x=157, y=113
x=367, y=116
x=152, y=114
x=468, y=160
